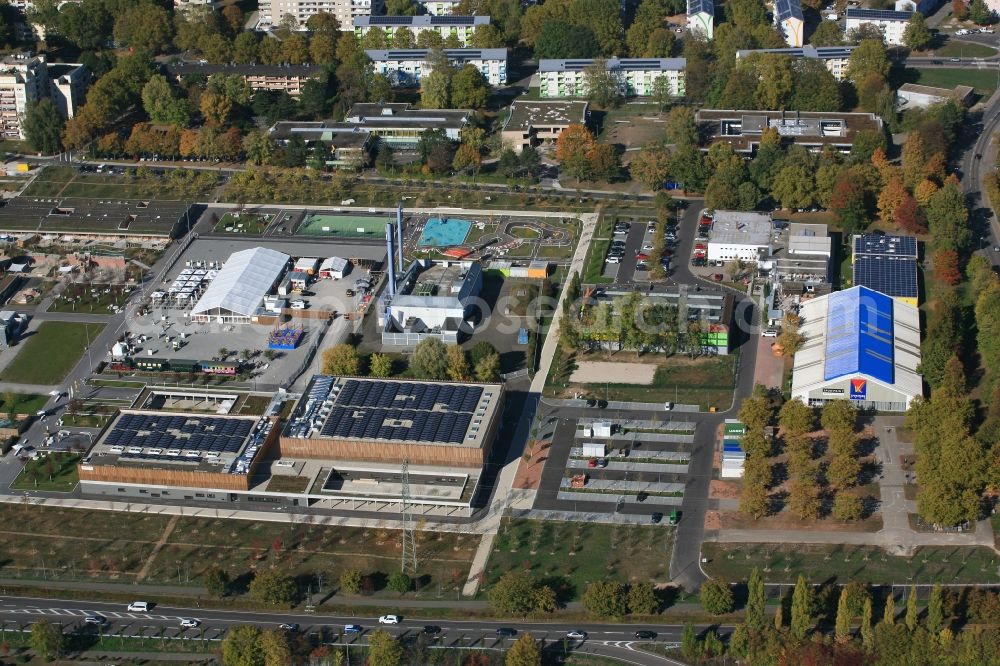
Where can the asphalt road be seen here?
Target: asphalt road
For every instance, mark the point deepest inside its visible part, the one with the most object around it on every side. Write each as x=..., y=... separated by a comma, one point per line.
x=613, y=640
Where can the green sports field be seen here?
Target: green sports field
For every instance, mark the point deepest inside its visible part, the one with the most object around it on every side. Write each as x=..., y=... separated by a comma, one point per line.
x=351, y=226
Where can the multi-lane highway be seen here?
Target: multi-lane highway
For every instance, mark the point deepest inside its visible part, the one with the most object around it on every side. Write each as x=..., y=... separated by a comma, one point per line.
x=612, y=640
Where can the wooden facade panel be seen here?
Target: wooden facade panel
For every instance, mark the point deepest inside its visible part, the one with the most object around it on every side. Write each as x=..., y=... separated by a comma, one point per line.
x=372, y=451
x=165, y=477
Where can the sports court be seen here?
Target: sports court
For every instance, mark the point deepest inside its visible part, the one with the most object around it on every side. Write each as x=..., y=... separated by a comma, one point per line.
x=444, y=232
x=350, y=226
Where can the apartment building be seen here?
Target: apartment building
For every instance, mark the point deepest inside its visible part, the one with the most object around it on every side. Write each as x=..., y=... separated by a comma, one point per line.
x=25, y=79
x=405, y=67
x=891, y=23
x=789, y=21
x=701, y=17
x=287, y=78
x=439, y=7
x=462, y=27
x=813, y=130
x=346, y=11
x=834, y=57
x=635, y=76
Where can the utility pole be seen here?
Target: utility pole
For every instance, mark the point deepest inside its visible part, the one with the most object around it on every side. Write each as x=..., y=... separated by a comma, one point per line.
x=409, y=550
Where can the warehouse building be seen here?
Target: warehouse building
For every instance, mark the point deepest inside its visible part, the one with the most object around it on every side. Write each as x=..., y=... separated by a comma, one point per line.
x=634, y=76
x=858, y=345
x=238, y=291
x=914, y=96
x=406, y=67
x=890, y=22
x=701, y=17
x=431, y=300
x=835, y=58
x=887, y=264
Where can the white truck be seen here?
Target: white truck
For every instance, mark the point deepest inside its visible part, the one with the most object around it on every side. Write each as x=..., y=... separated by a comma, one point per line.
x=593, y=450
x=603, y=429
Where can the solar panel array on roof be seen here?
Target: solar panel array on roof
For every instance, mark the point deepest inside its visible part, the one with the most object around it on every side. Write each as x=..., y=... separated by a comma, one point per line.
x=701, y=6
x=390, y=20
x=402, y=411
x=186, y=433
x=894, y=276
x=880, y=244
x=878, y=14
x=859, y=336
x=785, y=9
x=452, y=20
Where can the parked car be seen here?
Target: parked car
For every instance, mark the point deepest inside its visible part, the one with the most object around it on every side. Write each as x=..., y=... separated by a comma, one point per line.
x=770, y=333
x=432, y=630
x=668, y=406
x=389, y=619
x=506, y=632
x=592, y=463
x=647, y=247
x=578, y=634
x=614, y=260
x=717, y=277
x=289, y=626
x=139, y=606
x=352, y=629
x=94, y=619
x=189, y=622
x=655, y=517
x=645, y=634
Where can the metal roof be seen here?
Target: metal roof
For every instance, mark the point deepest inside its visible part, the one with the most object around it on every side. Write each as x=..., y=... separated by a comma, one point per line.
x=422, y=21
x=812, y=52
x=624, y=64
x=462, y=55
x=859, y=335
x=243, y=282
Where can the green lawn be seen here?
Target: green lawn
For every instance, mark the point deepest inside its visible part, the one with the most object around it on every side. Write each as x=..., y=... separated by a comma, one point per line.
x=523, y=232
x=569, y=555
x=960, y=49
x=984, y=81
x=23, y=403
x=50, y=353
x=782, y=563
x=54, y=472
x=246, y=223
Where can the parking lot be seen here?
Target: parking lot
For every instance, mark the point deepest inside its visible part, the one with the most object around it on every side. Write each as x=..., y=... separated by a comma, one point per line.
x=629, y=254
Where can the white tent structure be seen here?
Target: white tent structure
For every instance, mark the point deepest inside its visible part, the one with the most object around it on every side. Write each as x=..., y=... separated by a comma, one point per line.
x=239, y=288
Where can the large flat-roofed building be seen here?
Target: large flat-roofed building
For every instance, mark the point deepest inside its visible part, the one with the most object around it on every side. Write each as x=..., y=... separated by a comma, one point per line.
x=812, y=130
x=400, y=125
x=535, y=123
x=835, y=58
x=26, y=78
x=273, y=11
x=95, y=218
x=461, y=27
x=406, y=67
x=349, y=146
x=392, y=421
x=431, y=300
x=914, y=96
x=738, y=235
x=789, y=21
x=237, y=292
x=890, y=22
x=858, y=345
x=68, y=86
x=280, y=78
x=634, y=76
x=156, y=450
x=701, y=17
x=887, y=264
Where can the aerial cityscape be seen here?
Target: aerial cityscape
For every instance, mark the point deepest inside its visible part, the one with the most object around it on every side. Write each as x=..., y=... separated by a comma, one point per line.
x=500, y=332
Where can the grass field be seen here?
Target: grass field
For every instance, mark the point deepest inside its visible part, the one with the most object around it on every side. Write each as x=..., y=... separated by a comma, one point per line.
x=48, y=355
x=23, y=403
x=91, y=299
x=960, y=49
x=174, y=185
x=984, y=81
x=782, y=563
x=55, y=472
x=72, y=544
x=707, y=382
x=567, y=556
x=246, y=223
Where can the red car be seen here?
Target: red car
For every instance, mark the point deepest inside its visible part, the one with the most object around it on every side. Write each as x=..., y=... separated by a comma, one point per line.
x=717, y=277
x=642, y=257
x=700, y=246
x=592, y=462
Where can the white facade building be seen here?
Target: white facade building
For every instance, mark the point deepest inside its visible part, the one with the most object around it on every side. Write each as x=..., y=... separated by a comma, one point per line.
x=737, y=235
x=240, y=287
x=439, y=7
x=914, y=96
x=890, y=22
x=701, y=17
x=835, y=58
x=635, y=76
x=789, y=21
x=462, y=27
x=405, y=67
x=272, y=11
x=25, y=79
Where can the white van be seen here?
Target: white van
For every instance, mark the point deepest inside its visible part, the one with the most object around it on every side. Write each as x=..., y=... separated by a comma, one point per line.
x=139, y=606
